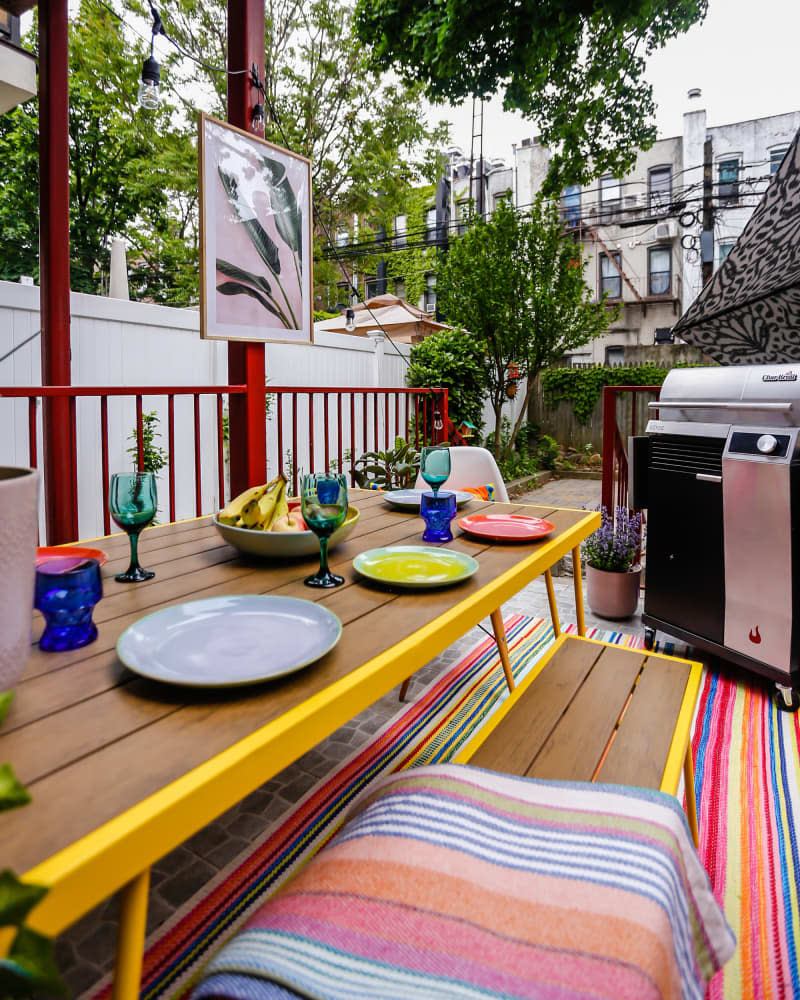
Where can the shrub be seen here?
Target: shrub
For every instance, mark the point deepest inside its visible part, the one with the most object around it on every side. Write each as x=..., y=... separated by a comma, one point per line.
x=453, y=360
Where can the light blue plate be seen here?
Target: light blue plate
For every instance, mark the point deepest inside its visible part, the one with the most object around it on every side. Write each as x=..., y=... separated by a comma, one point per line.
x=410, y=499
x=227, y=641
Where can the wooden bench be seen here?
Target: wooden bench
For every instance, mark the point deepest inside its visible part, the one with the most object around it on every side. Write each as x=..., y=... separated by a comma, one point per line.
x=593, y=711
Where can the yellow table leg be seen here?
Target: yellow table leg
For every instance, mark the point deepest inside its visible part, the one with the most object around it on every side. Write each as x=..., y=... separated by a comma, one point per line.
x=130, y=938
x=500, y=638
x=404, y=689
x=551, y=600
x=577, y=582
x=691, y=803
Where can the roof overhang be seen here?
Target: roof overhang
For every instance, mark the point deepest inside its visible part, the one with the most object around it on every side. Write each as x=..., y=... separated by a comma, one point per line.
x=17, y=76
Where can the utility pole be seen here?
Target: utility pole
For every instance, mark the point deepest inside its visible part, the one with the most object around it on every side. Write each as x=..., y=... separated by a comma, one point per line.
x=707, y=235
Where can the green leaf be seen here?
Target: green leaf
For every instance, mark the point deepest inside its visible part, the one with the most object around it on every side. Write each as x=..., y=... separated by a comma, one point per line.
x=234, y=288
x=12, y=792
x=259, y=237
x=288, y=219
x=17, y=898
x=247, y=277
x=30, y=967
x=6, y=697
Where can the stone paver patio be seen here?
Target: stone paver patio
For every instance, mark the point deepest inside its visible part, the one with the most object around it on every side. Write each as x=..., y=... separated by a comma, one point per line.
x=85, y=952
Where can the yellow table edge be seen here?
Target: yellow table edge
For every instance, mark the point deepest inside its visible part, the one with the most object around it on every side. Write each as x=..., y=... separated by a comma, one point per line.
x=88, y=871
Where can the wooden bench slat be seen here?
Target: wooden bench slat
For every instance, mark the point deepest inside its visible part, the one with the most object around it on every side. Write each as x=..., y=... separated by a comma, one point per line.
x=639, y=751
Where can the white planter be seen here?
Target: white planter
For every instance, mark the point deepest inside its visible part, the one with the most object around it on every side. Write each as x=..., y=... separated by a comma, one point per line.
x=19, y=491
x=613, y=595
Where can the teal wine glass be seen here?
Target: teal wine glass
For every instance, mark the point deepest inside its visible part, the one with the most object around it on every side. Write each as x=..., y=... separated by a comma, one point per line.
x=132, y=502
x=324, y=503
x=434, y=466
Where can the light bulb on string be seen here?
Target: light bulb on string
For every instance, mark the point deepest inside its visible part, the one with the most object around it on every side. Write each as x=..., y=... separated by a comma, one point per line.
x=148, y=88
x=350, y=320
x=257, y=118
x=438, y=423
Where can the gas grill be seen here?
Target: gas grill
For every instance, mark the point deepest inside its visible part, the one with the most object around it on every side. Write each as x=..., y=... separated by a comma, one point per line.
x=719, y=474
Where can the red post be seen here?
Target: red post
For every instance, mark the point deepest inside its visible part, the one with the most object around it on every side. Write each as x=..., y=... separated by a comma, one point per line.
x=58, y=432
x=247, y=419
x=609, y=437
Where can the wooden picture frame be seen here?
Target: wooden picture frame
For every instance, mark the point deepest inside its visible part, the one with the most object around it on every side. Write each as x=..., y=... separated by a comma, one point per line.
x=256, y=259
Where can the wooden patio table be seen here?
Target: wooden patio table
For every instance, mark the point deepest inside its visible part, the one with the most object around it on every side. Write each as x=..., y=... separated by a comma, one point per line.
x=123, y=769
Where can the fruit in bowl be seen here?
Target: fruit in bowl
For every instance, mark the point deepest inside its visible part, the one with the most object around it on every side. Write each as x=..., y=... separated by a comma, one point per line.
x=262, y=521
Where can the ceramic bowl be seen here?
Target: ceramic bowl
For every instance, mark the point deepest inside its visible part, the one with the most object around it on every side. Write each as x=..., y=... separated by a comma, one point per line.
x=283, y=544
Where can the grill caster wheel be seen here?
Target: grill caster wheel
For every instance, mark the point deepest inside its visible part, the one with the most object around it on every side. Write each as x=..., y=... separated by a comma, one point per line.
x=649, y=638
x=786, y=698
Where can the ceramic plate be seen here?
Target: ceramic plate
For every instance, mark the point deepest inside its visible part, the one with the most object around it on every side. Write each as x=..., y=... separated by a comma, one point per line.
x=72, y=555
x=506, y=527
x=410, y=499
x=225, y=641
x=283, y=544
x=415, y=566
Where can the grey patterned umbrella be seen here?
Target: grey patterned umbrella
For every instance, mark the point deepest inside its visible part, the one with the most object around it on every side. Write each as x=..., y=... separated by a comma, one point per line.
x=749, y=313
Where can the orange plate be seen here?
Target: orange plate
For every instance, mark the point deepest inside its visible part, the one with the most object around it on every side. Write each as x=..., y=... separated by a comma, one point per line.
x=506, y=527
x=49, y=553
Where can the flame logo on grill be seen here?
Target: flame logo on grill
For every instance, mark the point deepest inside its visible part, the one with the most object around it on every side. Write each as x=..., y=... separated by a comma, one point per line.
x=754, y=635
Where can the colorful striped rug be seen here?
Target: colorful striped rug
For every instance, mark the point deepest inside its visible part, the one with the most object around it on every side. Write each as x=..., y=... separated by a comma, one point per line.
x=747, y=786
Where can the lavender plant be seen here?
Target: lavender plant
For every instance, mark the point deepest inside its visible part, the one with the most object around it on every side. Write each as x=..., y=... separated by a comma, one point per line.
x=615, y=544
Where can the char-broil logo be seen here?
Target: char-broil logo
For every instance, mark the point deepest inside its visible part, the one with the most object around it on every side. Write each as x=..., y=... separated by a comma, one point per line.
x=755, y=635
x=783, y=377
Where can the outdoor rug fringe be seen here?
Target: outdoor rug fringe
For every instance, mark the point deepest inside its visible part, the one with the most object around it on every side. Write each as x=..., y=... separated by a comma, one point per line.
x=747, y=770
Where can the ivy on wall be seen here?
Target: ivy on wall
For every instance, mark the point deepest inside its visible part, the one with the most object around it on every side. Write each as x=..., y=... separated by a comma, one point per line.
x=583, y=386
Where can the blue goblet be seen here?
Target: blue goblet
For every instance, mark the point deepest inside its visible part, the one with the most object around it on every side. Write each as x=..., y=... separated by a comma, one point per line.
x=67, y=598
x=437, y=511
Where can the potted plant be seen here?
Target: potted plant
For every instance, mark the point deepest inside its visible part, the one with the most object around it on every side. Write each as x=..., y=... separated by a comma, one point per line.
x=612, y=579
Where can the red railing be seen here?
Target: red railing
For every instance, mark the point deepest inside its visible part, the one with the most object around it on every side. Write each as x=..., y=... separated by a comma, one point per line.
x=308, y=428
x=621, y=417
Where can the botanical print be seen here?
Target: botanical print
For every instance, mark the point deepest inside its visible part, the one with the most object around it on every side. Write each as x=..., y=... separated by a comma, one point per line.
x=256, y=204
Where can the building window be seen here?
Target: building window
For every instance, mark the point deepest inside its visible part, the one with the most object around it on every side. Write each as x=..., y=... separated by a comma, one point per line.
x=659, y=266
x=724, y=250
x=370, y=287
x=615, y=356
x=430, y=293
x=462, y=215
x=501, y=196
x=400, y=288
x=659, y=189
x=610, y=195
x=776, y=158
x=728, y=171
x=400, y=230
x=342, y=238
x=610, y=277
x=430, y=225
x=571, y=205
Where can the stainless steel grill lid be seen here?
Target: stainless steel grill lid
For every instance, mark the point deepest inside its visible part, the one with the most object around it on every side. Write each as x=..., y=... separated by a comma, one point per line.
x=749, y=313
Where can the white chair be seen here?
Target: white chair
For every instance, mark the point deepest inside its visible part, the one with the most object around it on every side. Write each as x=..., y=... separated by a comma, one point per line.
x=472, y=467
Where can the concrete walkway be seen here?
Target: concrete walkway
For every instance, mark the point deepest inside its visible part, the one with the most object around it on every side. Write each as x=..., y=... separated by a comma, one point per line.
x=85, y=952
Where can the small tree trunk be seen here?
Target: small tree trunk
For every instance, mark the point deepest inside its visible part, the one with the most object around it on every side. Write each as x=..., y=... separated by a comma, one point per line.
x=498, y=427
x=523, y=413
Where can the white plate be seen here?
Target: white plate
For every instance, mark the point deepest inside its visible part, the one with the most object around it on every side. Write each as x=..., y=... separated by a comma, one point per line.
x=225, y=641
x=283, y=544
x=410, y=499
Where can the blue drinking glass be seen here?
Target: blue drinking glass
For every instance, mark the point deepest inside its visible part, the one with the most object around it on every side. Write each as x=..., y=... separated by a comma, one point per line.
x=67, y=598
x=434, y=466
x=437, y=512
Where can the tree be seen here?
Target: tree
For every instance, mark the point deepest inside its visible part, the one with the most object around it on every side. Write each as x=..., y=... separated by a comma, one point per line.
x=575, y=66
x=131, y=172
x=453, y=360
x=515, y=281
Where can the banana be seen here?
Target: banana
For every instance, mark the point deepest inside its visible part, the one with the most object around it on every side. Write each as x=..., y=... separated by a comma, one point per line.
x=233, y=512
x=268, y=503
x=281, y=509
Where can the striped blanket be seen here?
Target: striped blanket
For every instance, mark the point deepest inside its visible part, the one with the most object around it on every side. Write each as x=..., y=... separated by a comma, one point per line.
x=453, y=882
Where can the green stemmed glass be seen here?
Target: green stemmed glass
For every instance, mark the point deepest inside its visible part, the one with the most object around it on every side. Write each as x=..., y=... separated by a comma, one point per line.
x=132, y=502
x=324, y=503
x=434, y=466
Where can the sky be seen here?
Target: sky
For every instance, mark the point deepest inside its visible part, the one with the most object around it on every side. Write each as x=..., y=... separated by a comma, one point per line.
x=743, y=57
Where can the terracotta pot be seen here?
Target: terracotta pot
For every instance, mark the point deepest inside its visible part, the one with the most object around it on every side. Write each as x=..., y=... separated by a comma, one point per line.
x=613, y=595
x=19, y=493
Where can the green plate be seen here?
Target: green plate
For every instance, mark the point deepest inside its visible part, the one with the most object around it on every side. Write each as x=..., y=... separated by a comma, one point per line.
x=415, y=566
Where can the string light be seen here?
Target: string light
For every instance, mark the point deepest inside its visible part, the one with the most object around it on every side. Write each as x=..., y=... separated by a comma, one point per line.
x=350, y=320
x=151, y=71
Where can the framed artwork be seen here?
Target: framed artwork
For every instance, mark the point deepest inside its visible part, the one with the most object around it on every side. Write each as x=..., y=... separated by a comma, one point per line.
x=256, y=268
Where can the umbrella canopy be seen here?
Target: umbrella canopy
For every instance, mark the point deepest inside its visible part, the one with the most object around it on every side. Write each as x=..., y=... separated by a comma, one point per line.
x=749, y=313
x=403, y=322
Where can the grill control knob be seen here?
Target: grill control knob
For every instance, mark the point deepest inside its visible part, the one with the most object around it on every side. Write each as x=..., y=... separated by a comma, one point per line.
x=766, y=444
